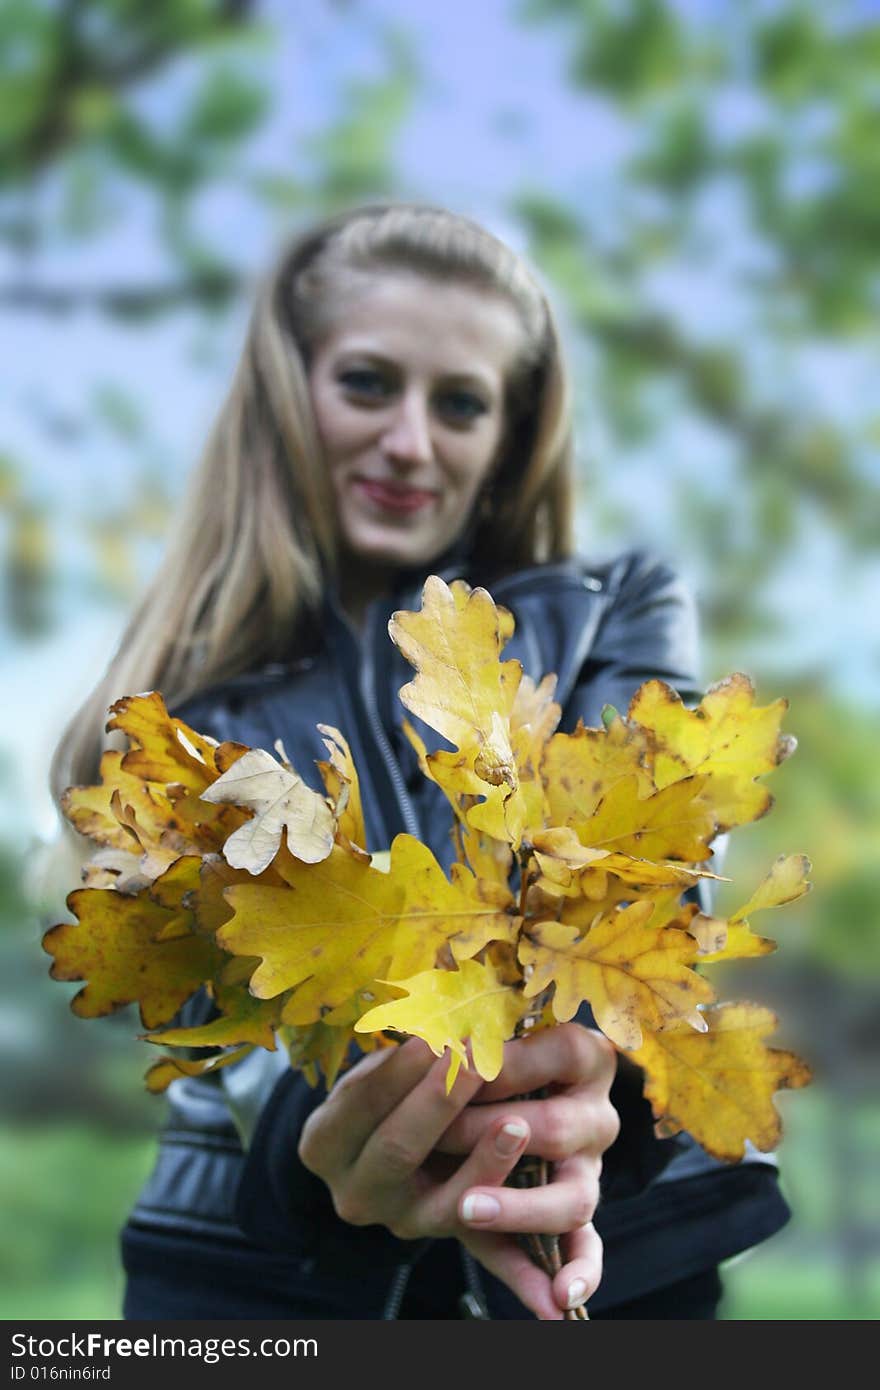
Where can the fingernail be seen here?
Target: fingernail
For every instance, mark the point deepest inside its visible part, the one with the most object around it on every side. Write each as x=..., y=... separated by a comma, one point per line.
x=478, y=1207
x=577, y=1290
x=509, y=1137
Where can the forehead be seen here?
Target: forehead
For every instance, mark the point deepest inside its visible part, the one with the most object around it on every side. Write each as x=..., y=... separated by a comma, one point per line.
x=439, y=328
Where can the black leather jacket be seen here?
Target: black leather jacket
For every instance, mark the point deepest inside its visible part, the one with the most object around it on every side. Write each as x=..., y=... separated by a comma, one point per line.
x=228, y=1167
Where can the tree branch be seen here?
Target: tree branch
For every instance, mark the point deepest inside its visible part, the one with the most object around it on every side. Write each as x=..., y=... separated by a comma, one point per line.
x=76, y=67
x=209, y=289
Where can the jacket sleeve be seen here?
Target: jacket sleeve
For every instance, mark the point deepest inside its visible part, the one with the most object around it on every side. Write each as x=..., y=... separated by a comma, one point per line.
x=283, y=1206
x=649, y=630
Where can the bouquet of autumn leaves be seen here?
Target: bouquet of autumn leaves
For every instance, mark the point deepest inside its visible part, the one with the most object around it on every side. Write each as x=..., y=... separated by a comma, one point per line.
x=219, y=869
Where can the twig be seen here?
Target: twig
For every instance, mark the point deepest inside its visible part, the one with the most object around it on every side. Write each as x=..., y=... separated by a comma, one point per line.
x=532, y=1170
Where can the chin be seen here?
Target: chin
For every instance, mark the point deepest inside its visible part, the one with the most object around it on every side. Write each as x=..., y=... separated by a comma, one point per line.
x=394, y=552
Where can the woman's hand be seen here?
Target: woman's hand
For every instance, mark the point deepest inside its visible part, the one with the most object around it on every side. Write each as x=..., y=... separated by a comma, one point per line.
x=396, y=1150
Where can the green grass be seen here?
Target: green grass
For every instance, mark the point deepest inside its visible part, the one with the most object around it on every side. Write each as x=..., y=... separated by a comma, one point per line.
x=802, y=1272
x=781, y=1287
x=65, y=1193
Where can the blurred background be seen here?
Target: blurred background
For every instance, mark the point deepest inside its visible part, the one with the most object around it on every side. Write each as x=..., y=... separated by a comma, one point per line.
x=698, y=182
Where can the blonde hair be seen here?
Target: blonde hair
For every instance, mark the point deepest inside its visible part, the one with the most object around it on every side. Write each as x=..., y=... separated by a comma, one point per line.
x=254, y=542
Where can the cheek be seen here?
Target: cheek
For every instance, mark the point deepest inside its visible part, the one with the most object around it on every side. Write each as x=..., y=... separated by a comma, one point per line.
x=331, y=429
x=474, y=462
x=339, y=428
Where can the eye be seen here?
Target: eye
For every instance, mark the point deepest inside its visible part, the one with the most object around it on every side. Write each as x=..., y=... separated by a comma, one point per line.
x=365, y=383
x=460, y=407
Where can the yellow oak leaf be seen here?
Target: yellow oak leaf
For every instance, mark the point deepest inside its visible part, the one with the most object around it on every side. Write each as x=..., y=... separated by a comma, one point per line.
x=534, y=709
x=515, y=812
x=116, y=946
x=670, y=911
x=631, y=974
x=347, y=924
x=728, y=739
x=329, y=930
x=461, y=689
x=210, y=908
x=340, y=777
x=599, y=898
x=323, y=1048
x=719, y=1085
x=149, y=797
x=164, y=750
x=156, y=837
x=91, y=809
x=674, y=823
x=501, y=808
x=487, y=857
x=282, y=802
x=719, y=940
x=168, y=1069
x=580, y=769
x=570, y=868
x=448, y=1008
x=242, y=1018
x=504, y=811
x=462, y=910
x=502, y=956
x=512, y=812
x=710, y=933
x=560, y=858
x=733, y=939
x=174, y=889
x=318, y=1049
x=785, y=883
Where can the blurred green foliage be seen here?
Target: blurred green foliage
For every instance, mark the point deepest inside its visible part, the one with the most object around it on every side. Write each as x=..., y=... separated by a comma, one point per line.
x=733, y=236
x=771, y=116
x=65, y=1193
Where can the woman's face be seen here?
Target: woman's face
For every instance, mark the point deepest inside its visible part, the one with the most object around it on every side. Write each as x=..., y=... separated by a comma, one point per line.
x=408, y=393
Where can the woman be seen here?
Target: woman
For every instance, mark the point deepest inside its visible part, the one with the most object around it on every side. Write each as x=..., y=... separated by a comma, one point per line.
x=401, y=409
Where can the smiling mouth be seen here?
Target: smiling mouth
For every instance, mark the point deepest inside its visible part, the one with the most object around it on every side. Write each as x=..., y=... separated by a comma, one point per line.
x=392, y=497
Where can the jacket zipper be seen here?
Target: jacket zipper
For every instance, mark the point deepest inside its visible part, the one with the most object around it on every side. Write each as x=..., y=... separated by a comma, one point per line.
x=368, y=693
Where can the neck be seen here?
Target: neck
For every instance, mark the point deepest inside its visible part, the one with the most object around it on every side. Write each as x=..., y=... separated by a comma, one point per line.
x=359, y=584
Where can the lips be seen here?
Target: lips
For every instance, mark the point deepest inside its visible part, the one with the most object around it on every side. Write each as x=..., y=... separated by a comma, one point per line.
x=394, y=497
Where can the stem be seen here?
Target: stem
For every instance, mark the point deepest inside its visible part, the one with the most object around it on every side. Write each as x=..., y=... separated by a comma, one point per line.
x=532, y=1170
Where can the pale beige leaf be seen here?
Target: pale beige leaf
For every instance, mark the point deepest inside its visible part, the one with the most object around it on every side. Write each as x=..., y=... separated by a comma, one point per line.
x=281, y=801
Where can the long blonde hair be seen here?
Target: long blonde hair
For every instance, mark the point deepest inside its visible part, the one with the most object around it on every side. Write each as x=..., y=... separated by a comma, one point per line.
x=254, y=542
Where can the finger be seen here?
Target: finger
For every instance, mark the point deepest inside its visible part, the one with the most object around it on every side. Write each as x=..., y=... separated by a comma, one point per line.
x=360, y=1101
x=561, y=1125
x=437, y=1210
x=397, y=1148
x=579, y=1277
x=488, y=1167
x=567, y=1054
x=564, y=1204
x=505, y=1258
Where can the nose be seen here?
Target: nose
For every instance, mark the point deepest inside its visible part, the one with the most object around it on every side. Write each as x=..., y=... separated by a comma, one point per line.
x=407, y=440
